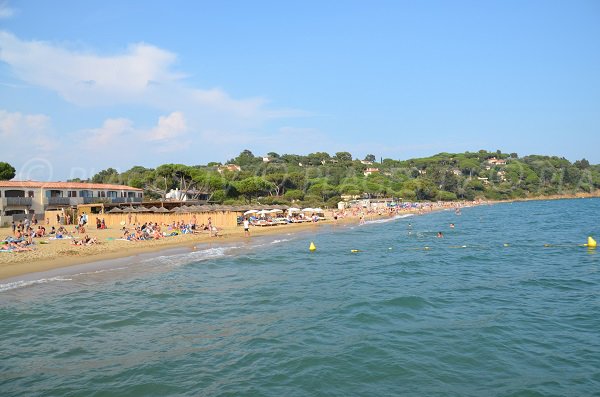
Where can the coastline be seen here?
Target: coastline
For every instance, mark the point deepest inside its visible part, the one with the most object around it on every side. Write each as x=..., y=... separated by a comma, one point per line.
x=62, y=254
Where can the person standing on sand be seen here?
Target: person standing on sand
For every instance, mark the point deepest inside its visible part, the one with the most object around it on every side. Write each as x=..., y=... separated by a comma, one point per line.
x=246, y=227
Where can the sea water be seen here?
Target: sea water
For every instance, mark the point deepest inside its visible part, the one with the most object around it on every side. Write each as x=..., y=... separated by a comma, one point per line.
x=507, y=303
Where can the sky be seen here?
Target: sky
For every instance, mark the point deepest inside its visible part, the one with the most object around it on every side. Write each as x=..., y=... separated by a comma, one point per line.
x=87, y=85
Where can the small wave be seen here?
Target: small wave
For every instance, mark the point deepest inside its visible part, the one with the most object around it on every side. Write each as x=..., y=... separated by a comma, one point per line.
x=386, y=220
x=280, y=241
x=183, y=259
x=411, y=302
x=29, y=283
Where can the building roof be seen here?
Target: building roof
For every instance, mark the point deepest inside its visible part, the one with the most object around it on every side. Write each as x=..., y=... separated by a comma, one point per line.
x=65, y=185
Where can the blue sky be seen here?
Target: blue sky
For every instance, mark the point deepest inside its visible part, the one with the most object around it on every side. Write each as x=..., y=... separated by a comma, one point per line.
x=96, y=84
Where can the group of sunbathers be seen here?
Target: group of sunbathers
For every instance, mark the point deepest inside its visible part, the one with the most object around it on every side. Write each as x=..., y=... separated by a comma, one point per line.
x=86, y=240
x=12, y=245
x=148, y=231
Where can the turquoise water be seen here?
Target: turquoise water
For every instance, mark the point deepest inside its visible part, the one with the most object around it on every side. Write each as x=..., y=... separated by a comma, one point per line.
x=269, y=318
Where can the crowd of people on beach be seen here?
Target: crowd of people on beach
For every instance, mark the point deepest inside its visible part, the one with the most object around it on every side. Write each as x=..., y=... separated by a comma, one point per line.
x=155, y=231
x=25, y=231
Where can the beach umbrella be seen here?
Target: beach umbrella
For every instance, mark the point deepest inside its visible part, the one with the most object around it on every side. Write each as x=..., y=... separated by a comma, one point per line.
x=293, y=209
x=153, y=209
x=175, y=209
x=128, y=209
x=142, y=209
x=115, y=210
x=162, y=210
x=263, y=212
x=275, y=211
x=318, y=210
x=250, y=212
x=308, y=209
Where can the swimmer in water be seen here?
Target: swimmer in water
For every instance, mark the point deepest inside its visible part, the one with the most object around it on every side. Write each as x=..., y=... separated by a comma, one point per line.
x=440, y=235
x=452, y=226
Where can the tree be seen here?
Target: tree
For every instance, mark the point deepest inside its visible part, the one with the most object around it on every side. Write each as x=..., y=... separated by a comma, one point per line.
x=161, y=180
x=370, y=157
x=253, y=187
x=582, y=164
x=7, y=171
x=108, y=175
x=246, y=158
x=343, y=156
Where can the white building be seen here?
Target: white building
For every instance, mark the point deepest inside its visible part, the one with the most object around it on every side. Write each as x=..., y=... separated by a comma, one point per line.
x=31, y=197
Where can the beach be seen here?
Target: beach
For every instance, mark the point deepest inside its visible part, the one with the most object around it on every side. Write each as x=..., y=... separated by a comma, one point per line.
x=49, y=254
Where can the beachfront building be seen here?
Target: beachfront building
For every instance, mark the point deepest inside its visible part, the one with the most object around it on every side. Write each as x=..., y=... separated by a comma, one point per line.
x=19, y=199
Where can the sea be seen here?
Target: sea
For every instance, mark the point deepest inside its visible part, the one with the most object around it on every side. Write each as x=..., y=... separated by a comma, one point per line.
x=506, y=303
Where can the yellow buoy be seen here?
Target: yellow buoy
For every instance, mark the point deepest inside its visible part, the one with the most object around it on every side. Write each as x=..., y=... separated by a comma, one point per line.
x=354, y=251
x=591, y=243
x=312, y=247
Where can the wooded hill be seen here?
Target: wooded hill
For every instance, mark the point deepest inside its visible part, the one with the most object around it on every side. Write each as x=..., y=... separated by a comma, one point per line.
x=320, y=179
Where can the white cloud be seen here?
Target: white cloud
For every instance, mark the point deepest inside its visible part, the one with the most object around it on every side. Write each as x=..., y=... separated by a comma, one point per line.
x=25, y=132
x=110, y=132
x=5, y=10
x=141, y=75
x=168, y=127
x=84, y=78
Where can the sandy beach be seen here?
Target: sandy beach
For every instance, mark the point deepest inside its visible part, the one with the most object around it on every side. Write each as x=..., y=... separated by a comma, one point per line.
x=50, y=254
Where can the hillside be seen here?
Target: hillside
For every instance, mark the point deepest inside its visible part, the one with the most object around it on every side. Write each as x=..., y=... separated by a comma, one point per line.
x=322, y=179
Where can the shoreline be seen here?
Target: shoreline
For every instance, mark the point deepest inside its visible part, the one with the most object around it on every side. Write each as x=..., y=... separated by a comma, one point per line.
x=63, y=255
x=66, y=255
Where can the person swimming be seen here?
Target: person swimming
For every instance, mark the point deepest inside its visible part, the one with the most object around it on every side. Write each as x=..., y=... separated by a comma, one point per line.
x=440, y=235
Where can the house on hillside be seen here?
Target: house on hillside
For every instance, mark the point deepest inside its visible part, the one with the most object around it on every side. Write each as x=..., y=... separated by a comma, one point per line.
x=370, y=171
x=229, y=167
x=495, y=161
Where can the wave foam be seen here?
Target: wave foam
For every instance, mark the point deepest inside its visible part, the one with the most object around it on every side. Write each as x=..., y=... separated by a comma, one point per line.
x=386, y=220
x=29, y=283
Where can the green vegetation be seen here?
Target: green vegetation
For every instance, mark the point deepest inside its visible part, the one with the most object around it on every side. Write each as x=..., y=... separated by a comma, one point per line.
x=321, y=179
x=7, y=171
